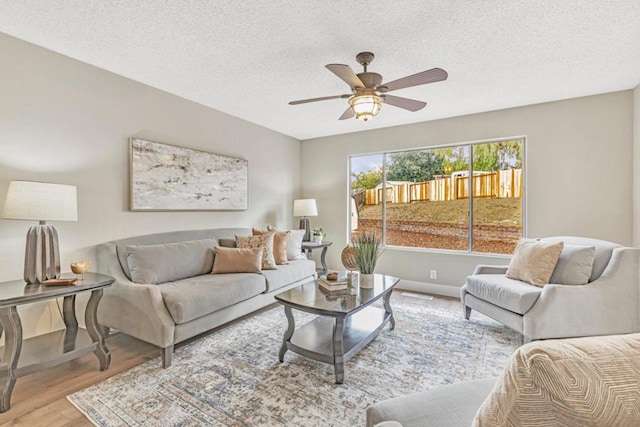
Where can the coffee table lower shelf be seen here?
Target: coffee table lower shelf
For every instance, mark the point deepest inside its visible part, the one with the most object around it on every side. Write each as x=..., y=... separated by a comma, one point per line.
x=334, y=340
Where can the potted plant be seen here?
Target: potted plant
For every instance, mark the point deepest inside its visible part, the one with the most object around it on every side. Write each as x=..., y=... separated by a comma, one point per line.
x=367, y=248
x=318, y=234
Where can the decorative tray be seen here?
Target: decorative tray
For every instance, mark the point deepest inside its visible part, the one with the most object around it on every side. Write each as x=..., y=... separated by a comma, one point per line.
x=60, y=282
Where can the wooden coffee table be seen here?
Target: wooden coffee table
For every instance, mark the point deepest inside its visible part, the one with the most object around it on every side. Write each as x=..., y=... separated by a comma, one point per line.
x=344, y=326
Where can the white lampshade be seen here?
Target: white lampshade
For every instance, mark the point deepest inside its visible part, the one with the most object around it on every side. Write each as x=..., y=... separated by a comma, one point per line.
x=40, y=201
x=305, y=207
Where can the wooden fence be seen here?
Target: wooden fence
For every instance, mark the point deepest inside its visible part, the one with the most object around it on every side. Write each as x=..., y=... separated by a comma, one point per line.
x=494, y=184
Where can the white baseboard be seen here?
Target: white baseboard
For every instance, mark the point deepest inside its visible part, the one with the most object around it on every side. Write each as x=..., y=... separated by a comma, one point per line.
x=430, y=288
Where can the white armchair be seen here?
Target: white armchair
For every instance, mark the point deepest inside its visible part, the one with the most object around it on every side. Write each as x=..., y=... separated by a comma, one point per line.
x=608, y=304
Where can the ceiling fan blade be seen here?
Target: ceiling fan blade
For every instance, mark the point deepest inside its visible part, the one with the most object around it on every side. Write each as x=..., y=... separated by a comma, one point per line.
x=324, y=98
x=348, y=113
x=430, y=76
x=347, y=74
x=406, y=103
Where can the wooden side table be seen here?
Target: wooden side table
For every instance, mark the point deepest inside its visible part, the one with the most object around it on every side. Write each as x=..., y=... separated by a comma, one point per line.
x=308, y=247
x=23, y=357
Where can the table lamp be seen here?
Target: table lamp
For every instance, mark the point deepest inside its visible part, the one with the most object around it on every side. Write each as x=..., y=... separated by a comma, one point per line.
x=305, y=208
x=39, y=201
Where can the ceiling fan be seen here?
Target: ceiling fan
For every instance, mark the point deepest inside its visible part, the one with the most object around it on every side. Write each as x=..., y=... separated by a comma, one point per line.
x=368, y=92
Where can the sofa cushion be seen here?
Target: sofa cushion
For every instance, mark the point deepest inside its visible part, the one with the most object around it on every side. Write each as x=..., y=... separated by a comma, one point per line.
x=592, y=381
x=153, y=264
x=574, y=265
x=188, y=299
x=227, y=243
x=287, y=274
x=604, y=249
x=511, y=294
x=237, y=260
x=294, y=244
x=279, y=244
x=173, y=237
x=264, y=241
x=533, y=261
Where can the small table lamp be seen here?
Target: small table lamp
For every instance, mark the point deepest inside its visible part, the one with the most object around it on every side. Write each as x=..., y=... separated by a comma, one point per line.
x=39, y=201
x=305, y=208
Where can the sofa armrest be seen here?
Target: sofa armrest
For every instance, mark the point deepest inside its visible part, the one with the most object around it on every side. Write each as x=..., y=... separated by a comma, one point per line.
x=443, y=406
x=608, y=305
x=490, y=269
x=133, y=309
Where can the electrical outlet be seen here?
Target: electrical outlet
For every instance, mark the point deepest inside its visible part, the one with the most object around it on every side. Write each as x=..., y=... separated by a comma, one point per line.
x=434, y=274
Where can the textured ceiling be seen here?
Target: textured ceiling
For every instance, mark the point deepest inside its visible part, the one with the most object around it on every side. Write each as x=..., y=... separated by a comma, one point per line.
x=249, y=58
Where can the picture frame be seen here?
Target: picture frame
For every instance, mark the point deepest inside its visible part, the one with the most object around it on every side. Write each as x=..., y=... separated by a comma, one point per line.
x=166, y=177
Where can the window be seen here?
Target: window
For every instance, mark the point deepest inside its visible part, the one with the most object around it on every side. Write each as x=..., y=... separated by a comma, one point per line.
x=465, y=197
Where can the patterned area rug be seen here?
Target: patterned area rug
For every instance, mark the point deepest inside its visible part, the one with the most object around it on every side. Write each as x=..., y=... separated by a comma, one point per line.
x=233, y=377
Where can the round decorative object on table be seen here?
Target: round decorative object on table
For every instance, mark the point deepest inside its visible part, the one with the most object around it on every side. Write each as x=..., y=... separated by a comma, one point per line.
x=349, y=258
x=80, y=267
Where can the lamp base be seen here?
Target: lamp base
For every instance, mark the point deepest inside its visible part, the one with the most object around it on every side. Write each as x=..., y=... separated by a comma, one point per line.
x=304, y=225
x=42, y=254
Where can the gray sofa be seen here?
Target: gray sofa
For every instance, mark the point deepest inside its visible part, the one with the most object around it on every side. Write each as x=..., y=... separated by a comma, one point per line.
x=591, y=381
x=608, y=303
x=179, y=298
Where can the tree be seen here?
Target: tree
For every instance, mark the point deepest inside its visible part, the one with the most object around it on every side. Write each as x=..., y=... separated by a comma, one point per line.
x=497, y=156
x=485, y=157
x=414, y=166
x=366, y=180
x=453, y=159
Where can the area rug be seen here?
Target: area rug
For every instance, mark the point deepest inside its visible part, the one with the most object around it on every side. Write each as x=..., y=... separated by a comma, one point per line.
x=233, y=378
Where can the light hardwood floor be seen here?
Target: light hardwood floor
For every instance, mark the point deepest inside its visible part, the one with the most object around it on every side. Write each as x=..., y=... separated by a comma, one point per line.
x=40, y=399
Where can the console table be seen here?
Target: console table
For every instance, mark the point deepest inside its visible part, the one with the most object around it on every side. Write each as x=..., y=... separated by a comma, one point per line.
x=308, y=247
x=23, y=357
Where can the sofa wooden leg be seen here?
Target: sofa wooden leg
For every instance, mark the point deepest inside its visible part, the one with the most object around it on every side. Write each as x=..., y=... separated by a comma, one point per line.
x=467, y=312
x=167, y=354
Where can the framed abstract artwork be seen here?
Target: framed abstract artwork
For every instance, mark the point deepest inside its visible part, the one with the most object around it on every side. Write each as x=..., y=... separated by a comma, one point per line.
x=164, y=177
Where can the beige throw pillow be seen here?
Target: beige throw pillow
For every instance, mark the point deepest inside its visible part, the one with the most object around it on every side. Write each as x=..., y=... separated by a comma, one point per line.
x=234, y=260
x=279, y=244
x=533, y=261
x=264, y=241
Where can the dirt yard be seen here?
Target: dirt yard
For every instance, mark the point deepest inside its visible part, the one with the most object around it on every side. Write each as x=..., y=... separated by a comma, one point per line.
x=444, y=225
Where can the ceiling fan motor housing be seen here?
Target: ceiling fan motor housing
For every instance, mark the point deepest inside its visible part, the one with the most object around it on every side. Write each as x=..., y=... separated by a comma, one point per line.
x=370, y=80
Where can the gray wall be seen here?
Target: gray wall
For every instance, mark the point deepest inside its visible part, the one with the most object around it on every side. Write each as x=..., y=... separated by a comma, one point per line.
x=578, y=175
x=67, y=122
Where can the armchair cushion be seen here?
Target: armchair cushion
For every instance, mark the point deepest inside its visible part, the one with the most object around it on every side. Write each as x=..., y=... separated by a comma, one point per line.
x=602, y=256
x=499, y=290
x=533, y=261
x=574, y=266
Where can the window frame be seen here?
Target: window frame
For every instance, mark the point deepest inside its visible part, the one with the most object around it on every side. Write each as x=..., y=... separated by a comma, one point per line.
x=470, y=144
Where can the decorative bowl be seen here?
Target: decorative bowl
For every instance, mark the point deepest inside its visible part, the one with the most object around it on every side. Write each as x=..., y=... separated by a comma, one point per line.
x=80, y=267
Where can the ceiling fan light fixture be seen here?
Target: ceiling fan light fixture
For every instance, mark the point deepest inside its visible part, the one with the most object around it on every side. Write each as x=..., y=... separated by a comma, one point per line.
x=365, y=106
